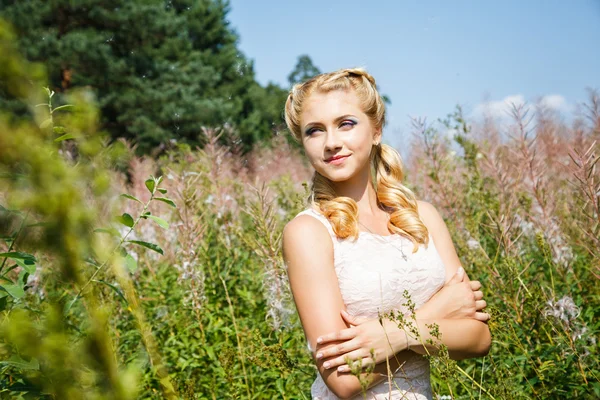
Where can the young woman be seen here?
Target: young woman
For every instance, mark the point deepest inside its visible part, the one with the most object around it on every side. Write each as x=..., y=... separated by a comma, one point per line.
x=365, y=241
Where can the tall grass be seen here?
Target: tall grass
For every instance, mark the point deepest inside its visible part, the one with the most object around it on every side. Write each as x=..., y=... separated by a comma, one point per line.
x=203, y=311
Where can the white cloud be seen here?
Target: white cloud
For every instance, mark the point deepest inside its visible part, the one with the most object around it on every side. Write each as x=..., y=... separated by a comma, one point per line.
x=502, y=109
x=555, y=102
x=499, y=108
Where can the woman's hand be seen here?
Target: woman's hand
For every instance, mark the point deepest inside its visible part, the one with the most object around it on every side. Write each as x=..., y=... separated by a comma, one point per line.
x=458, y=298
x=364, y=339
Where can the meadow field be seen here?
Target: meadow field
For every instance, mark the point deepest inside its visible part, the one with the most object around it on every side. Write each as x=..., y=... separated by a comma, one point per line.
x=139, y=277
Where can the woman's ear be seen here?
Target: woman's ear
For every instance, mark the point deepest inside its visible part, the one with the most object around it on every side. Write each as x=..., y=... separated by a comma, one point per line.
x=377, y=137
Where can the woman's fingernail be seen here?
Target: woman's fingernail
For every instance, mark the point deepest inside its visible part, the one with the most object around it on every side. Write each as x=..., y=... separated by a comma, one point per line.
x=319, y=355
x=326, y=365
x=341, y=369
x=319, y=340
x=460, y=270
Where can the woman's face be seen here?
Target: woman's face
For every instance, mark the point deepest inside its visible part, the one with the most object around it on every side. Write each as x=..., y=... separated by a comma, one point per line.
x=337, y=135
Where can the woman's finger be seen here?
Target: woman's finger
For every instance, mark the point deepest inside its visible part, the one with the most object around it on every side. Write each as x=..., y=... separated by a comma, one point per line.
x=481, y=316
x=475, y=285
x=478, y=295
x=342, y=360
x=480, y=305
x=340, y=349
x=353, y=320
x=345, y=334
x=364, y=363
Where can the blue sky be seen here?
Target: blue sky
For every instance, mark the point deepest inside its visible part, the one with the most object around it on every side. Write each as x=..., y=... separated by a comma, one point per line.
x=428, y=56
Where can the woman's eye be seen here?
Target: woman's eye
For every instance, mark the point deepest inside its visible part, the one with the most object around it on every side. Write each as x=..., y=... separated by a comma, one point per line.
x=310, y=131
x=348, y=123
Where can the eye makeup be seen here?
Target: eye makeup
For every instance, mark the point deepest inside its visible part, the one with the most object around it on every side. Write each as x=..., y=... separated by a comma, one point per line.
x=344, y=120
x=309, y=130
x=349, y=122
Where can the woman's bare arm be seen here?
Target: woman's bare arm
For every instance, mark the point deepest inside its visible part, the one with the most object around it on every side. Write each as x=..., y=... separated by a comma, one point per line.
x=465, y=337
x=308, y=254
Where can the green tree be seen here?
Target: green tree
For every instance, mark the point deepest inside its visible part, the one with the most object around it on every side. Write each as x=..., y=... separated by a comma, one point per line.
x=304, y=70
x=161, y=69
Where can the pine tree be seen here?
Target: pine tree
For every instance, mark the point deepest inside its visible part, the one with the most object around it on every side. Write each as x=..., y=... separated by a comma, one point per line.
x=161, y=69
x=304, y=70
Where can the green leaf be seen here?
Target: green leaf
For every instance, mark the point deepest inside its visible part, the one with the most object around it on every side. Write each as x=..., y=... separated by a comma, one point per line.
x=166, y=200
x=110, y=231
x=130, y=197
x=113, y=287
x=65, y=137
x=46, y=123
x=150, y=246
x=161, y=222
x=18, y=255
x=62, y=107
x=162, y=190
x=93, y=262
x=126, y=220
x=14, y=290
x=59, y=130
x=28, y=267
x=38, y=224
x=16, y=361
x=131, y=263
x=22, y=279
x=167, y=384
x=151, y=185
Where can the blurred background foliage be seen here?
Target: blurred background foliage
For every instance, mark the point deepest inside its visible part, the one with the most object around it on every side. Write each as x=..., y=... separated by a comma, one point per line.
x=159, y=69
x=134, y=266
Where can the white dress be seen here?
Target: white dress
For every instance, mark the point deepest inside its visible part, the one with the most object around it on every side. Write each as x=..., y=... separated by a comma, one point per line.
x=373, y=275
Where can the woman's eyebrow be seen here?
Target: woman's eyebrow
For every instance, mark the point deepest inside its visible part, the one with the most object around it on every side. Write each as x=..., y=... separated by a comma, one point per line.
x=343, y=117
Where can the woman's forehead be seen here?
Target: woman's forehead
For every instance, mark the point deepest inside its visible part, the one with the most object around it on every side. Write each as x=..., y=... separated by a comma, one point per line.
x=330, y=105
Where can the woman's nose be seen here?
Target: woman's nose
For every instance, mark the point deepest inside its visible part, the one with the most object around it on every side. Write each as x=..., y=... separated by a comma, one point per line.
x=332, y=141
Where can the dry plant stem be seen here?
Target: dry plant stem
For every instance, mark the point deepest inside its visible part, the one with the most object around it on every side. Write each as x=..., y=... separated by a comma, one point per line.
x=481, y=379
x=481, y=388
x=237, y=336
x=431, y=151
x=146, y=331
x=585, y=174
x=191, y=232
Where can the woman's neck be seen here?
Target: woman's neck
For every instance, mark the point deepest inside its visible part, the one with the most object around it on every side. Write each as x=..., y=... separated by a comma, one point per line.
x=361, y=190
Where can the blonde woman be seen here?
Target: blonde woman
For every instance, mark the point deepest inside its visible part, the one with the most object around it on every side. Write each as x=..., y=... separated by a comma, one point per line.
x=362, y=243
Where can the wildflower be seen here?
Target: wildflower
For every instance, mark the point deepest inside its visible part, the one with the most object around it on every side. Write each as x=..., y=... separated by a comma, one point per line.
x=473, y=244
x=564, y=309
x=277, y=295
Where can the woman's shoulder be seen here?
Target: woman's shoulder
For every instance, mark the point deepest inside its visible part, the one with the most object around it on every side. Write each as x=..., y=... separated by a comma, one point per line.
x=428, y=213
x=306, y=226
x=305, y=235
x=306, y=221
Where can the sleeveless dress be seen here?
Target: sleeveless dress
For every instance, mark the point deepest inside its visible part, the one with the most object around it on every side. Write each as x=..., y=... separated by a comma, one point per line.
x=373, y=274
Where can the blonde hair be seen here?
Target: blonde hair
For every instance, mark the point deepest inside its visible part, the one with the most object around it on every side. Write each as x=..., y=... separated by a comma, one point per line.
x=386, y=165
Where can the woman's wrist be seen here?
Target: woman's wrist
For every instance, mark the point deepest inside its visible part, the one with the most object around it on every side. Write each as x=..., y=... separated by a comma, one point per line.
x=397, y=337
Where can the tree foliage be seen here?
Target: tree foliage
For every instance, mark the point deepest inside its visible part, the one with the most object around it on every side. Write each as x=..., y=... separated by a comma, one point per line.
x=304, y=70
x=161, y=69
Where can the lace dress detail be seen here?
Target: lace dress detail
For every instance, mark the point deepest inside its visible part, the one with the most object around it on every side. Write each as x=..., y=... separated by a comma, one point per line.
x=373, y=276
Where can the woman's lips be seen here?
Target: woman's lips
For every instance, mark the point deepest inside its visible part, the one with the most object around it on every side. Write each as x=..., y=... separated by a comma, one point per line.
x=337, y=160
